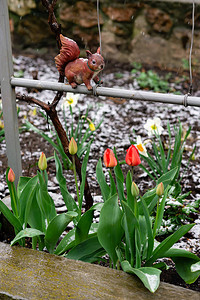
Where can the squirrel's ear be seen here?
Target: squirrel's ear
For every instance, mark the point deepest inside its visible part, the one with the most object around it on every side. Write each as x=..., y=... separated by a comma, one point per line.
x=88, y=53
x=99, y=51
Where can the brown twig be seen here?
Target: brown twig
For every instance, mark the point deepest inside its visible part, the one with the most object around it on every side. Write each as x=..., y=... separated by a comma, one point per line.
x=50, y=109
x=52, y=113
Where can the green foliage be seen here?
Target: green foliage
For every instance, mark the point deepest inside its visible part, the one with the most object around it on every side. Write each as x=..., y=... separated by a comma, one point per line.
x=167, y=155
x=119, y=75
x=34, y=213
x=177, y=212
x=136, y=67
x=128, y=225
x=81, y=135
x=167, y=158
x=151, y=80
x=127, y=231
x=19, y=74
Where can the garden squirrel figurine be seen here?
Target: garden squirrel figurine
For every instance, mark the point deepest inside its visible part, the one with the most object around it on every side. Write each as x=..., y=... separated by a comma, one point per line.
x=78, y=70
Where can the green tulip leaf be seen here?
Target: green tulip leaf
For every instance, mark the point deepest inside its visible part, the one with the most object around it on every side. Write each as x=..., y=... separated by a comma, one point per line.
x=88, y=250
x=68, y=242
x=27, y=232
x=161, y=250
x=26, y=198
x=85, y=222
x=67, y=198
x=105, y=190
x=10, y=217
x=56, y=228
x=110, y=230
x=148, y=275
x=189, y=271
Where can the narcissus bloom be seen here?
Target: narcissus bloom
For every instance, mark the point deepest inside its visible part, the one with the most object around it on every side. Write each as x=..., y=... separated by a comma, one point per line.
x=71, y=99
x=91, y=126
x=11, y=175
x=1, y=124
x=42, y=163
x=141, y=147
x=109, y=158
x=153, y=126
x=132, y=156
x=72, y=146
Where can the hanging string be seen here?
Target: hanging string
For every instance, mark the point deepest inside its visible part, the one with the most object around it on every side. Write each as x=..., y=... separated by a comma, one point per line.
x=94, y=88
x=99, y=29
x=190, y=91
x=190, y=56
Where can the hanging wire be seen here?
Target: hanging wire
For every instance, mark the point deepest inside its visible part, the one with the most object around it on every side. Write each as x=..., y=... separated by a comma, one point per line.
x=99, y=29
x=190, y=55
x=190, y=91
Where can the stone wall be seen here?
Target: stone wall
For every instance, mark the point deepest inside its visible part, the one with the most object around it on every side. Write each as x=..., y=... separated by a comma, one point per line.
x=144, y=31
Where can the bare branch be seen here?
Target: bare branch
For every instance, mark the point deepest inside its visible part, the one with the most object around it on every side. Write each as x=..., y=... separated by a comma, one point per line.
x=52, y=113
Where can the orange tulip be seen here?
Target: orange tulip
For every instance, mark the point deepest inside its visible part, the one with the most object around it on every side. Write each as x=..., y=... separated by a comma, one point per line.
x=109, y=158
x=11, y=175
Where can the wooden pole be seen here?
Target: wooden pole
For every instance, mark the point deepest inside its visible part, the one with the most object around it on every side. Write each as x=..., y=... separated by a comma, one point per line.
x=8, y=94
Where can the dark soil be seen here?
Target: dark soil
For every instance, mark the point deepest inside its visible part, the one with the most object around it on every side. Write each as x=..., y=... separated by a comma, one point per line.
x=121, y=117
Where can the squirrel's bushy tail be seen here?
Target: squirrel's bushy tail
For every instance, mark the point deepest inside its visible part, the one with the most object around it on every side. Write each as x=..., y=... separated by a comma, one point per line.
x=68, y=52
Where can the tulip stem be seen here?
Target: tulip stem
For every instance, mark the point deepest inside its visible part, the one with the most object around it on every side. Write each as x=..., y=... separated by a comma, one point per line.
x=156, y=219
x=76, y=182
x=132, y=172
x=14, y=199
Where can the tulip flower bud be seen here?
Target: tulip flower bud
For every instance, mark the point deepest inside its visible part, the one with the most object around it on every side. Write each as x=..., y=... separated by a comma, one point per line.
x=72, y=146
x=134, y=189
x=11, y=175
x=109, y=158
x=132, y=156
x=42, y=163
x=160, y=189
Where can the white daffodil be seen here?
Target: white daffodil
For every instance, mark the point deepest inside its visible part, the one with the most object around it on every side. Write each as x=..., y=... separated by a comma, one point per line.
x=70, y=100
x=153, y=126
x=141, y=147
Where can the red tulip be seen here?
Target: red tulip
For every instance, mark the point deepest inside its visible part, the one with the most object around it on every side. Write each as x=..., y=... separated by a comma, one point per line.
x=11, y=176
x=109, y=159
x=132, y=156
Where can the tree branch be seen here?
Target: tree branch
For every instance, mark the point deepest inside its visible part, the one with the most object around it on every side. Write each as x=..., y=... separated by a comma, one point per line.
x=52, y=113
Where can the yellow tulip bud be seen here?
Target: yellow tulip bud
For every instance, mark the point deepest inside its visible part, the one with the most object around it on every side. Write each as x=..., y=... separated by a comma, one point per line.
x=72, y=146
x=42, y=163
x=160, y=189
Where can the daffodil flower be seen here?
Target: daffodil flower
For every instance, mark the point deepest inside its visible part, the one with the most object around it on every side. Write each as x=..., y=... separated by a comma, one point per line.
x=70, y=100
x=33, y=112
x=141, y=147
x=1, y=124
x=92, y=126
x=153, y=126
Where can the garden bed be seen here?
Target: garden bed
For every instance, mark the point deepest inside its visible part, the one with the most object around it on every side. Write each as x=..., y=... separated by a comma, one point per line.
x=121, y=117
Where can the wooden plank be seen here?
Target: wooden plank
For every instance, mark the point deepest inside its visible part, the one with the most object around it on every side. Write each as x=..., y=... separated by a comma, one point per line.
x=8, y=93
